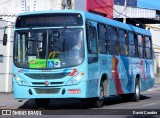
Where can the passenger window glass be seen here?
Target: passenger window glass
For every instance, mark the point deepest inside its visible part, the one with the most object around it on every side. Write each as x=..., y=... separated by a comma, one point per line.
x=132, y=50
x=140, y=52
x=147, y=42
x=122, y=36
x=131, y=38
x=148, y=48
x=113, y=49
x=123, y=49
x=92, y=40
x=140, y=40
x=112, y=41
x=148, y=53
x=102, y=39
x=132, y=47
x=112, y=34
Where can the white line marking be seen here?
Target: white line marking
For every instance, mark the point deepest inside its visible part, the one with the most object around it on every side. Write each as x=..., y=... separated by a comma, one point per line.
x=150, y=104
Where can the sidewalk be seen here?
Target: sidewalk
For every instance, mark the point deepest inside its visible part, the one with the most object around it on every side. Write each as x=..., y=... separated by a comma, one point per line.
x=7, y=101
x=157, y=79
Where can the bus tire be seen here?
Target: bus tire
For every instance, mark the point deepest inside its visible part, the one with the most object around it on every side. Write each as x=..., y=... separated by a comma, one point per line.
x=42, y=103
x=98, y=102
x=136, y=94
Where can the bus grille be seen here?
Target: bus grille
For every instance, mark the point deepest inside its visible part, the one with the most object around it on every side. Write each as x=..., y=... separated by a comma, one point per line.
x=47, y=91
x=42, y=83
x=47, y=75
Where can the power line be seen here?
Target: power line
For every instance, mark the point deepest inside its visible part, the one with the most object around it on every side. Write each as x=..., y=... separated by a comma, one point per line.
x=102, y=8
x=129, y=17
x=114, y=10
x=5, y=2
x=121, y=13
x=124, y=15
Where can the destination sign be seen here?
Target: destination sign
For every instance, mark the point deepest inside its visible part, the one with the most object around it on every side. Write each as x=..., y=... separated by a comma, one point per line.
x=49, y=20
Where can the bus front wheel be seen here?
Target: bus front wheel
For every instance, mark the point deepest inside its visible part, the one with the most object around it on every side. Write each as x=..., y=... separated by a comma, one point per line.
x=42, y=103
x=98, y=102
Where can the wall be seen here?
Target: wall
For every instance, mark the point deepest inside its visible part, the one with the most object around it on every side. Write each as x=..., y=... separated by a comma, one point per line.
x=14, y=7
x=132, y=12
x=6, y=63
x=130, y=3
x=79, y=5
x=99, y=7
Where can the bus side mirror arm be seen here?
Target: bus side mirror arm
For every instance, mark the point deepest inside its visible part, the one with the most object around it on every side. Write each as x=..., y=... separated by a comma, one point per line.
x=88, y=23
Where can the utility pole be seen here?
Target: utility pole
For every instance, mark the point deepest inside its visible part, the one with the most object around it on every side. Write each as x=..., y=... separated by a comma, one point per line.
x=25, y=6
x=125, y=7
x=64, y=4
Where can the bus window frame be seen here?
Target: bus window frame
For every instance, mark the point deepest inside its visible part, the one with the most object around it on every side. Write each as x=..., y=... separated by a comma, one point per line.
x=95, y=55
x=126, y=42
x=117, y=42
x=135, y=43
x=151, y=48
x=139, y=46
x=106, y=41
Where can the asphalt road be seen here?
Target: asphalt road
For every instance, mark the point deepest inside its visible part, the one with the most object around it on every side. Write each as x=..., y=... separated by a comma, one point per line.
x=150, y=100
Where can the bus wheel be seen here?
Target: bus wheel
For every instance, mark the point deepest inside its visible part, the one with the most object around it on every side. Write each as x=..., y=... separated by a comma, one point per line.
x=98, y=102
x=136, y=95
x=42, y=103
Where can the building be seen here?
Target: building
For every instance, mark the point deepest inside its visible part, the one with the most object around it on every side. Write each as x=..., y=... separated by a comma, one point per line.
x=139, y=10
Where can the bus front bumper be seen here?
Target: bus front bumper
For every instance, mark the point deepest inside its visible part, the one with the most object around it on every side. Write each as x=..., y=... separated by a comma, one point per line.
x=26, y=92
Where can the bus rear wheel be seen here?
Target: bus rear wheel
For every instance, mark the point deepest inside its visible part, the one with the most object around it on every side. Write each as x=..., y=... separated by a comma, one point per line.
x=42, y=103
x=136, y=94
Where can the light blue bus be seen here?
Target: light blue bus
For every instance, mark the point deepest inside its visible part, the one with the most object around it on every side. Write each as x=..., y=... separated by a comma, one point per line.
x=75, y=54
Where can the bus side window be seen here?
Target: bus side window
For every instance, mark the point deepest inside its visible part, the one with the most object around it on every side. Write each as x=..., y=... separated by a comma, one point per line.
x=123, y=42
x=92, y=40
x=92, y=44
x=148, y=48
x=102, y=39
x=140, y=46
x=113, y=46
x=132, y=45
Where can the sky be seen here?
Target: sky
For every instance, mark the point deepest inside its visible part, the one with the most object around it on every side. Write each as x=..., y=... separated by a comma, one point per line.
x=151, y=4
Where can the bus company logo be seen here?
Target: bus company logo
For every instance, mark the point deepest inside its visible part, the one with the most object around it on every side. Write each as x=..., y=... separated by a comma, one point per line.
x=6, y=112
x=46, y=83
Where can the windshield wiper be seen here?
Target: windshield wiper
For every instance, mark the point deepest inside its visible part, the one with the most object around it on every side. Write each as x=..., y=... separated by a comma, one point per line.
x=59, y=33
x=56, y=34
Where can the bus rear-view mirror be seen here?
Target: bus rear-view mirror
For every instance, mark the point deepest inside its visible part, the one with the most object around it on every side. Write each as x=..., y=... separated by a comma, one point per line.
x=5, y=39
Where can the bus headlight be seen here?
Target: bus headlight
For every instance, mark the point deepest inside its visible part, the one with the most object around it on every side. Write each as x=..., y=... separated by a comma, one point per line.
x=76, y=79
x=20, y=81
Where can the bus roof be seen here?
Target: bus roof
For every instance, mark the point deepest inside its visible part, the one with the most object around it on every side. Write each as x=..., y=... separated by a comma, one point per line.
x=97, y=18
x=115, y=23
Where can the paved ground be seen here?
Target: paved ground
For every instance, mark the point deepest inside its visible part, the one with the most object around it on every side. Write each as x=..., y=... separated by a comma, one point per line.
x=7, y=99
x=149, y=100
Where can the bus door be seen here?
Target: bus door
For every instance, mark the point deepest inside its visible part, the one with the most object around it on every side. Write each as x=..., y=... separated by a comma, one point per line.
x=93, y=70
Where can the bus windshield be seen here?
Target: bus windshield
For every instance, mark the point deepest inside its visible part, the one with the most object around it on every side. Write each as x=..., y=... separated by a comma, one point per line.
x=49, y=48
